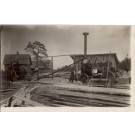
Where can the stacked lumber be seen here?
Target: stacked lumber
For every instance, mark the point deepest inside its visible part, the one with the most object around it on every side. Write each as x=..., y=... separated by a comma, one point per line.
x=70, y=95
x=21, y=98
x=80, y=96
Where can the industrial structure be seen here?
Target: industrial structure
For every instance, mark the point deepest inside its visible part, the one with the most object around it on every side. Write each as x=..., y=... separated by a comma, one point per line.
x=96, y=59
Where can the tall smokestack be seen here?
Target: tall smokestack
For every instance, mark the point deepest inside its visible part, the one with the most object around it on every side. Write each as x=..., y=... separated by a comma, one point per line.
x=85, y=43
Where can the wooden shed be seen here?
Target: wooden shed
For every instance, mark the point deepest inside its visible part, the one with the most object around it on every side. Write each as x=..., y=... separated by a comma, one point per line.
x=96, y=58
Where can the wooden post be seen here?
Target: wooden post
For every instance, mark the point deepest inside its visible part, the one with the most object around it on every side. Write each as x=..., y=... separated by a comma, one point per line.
x=76, y=68
x=108, y=66
x=52, y=67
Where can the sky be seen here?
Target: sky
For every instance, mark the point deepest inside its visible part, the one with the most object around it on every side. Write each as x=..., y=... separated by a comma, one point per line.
x=66, y=40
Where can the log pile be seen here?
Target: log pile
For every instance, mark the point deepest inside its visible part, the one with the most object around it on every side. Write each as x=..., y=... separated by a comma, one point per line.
x=80, y=96
x=21, y=98
x=67, y=95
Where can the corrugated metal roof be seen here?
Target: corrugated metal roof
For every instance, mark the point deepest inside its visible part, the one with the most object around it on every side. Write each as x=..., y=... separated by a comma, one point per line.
x=22, y=59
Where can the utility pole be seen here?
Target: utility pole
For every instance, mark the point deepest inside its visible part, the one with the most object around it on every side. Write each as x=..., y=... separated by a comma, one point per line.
x=108, y=68
x=52, y=67
x=85, y=43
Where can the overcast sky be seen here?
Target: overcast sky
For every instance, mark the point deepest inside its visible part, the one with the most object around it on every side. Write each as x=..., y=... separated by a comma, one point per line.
x=67, y=39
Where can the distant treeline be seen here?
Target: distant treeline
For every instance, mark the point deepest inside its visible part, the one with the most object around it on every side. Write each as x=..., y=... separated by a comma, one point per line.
x=125, y=64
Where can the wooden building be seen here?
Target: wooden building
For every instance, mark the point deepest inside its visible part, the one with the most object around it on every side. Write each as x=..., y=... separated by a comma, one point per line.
x=95, y=59
x=12, y=62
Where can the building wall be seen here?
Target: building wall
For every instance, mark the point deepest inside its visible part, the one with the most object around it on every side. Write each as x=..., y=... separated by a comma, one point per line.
x=26, y=67
x=92, y=59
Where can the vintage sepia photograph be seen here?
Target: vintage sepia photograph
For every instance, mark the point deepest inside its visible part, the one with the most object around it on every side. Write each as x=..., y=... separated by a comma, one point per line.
x=65, y=66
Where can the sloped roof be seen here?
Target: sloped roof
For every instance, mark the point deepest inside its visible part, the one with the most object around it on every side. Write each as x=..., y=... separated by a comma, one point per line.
x=22, y=59
x=105, y=54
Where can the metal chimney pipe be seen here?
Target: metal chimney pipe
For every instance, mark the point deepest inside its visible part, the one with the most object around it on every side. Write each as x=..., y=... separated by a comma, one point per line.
x=85, y=43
